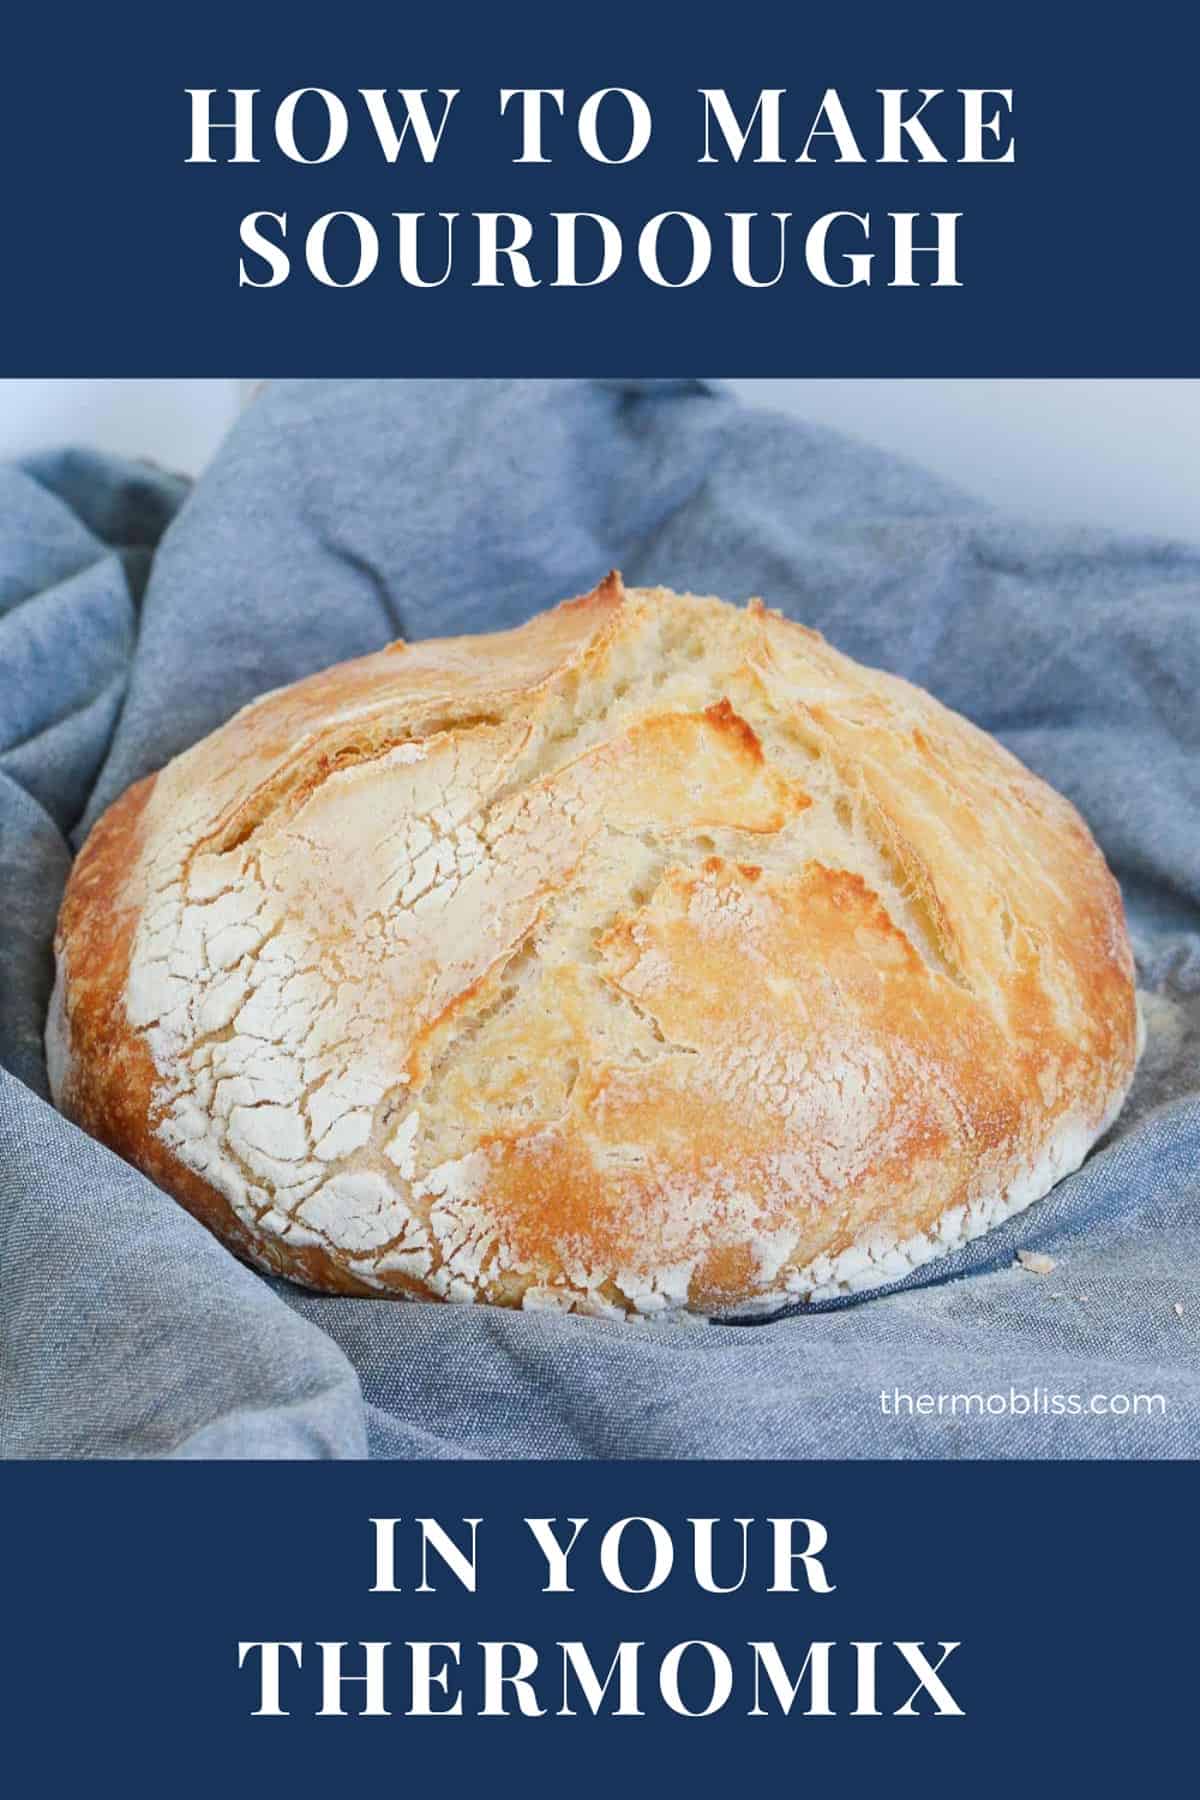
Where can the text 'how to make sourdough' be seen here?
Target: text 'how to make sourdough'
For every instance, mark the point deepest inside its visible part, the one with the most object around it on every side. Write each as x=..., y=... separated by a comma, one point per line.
x=674, y=248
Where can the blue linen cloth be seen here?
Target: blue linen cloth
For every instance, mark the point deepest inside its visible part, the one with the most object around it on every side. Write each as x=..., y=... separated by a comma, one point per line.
x=136, y=616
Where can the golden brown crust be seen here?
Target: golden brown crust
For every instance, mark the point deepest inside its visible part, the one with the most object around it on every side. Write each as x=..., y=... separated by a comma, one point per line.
x=651, y=954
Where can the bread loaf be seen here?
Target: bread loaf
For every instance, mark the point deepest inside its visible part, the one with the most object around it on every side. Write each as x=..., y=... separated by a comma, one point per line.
x=651, y=955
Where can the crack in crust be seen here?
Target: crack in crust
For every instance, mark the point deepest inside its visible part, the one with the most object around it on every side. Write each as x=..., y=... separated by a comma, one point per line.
x=652, y=955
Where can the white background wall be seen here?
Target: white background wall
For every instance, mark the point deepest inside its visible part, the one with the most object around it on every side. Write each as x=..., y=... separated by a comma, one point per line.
x=1119, y=453
x=176, y=423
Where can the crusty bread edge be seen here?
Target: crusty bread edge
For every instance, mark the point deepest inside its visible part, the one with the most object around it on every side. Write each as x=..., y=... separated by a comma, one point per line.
x=879, y=1261
x=100, y=1070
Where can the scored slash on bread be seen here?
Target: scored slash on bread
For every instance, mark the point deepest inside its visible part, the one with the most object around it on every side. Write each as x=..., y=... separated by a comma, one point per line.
x=650, y=955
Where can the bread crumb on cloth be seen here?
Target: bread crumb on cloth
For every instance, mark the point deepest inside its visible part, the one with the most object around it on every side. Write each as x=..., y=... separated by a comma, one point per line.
x=1036, y=1262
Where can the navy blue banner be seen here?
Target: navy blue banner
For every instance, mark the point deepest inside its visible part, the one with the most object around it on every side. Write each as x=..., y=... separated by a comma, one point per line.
x=206, y=1628
x=786, y=224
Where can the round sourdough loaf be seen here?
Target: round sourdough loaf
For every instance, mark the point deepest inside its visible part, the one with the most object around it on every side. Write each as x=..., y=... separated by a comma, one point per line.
x=650, y=955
